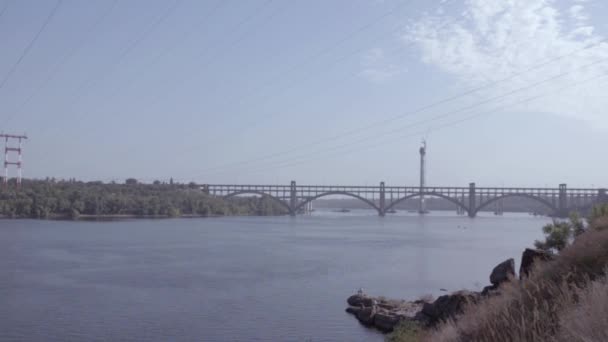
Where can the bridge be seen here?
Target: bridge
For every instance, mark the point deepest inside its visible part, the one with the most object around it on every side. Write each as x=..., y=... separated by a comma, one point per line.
x=560, y=201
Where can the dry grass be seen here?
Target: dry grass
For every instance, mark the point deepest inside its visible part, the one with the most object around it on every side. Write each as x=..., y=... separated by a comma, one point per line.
x=543, y=307
x=600, y=223
x=587, y=319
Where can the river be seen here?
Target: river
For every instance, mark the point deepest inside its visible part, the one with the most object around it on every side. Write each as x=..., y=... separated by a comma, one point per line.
x=238, y=278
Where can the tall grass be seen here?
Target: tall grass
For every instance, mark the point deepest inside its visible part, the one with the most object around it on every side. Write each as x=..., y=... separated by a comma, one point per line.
x=562, y=300
x=587, y=319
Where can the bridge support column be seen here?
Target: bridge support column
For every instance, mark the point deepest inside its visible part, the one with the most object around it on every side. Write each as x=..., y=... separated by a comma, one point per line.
x=563, y=201
x=472, y=200
x=293, y=199
x=382, y=199
x=205, y=189
x=602, y=195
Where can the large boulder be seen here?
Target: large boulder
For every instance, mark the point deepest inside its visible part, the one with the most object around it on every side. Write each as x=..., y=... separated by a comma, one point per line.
x=448, y=306
x=366, y=315
x=503, y=272
x=529, y=258
x=386, y=321
x=360, y=300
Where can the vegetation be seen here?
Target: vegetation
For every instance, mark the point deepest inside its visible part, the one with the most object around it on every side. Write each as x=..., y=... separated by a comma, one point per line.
x=560, y=234
x=71, y=199
x=562, y=300
x=406, y=332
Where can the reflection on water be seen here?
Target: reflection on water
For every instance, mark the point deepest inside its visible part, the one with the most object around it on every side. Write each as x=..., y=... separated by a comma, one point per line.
x=237, y=279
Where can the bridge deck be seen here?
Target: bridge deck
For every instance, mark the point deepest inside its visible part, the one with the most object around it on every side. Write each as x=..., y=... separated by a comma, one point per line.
x=470, y=199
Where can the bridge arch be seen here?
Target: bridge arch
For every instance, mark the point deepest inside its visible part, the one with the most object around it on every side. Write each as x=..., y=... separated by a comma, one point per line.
x=342, y=193
x=261, y=193
x=536, y=198
x=432, y=194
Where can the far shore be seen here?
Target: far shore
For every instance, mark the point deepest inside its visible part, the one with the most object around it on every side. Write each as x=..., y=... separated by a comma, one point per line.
x=118, y=217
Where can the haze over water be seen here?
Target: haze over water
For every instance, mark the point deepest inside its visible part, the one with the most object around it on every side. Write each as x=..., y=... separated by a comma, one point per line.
x=237, y=279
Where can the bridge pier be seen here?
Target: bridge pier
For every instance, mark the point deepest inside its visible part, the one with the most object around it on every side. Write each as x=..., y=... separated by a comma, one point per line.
x=602, y=195
x=382, y=210
x=472, y=200
x=562, y=207
x=293, y=198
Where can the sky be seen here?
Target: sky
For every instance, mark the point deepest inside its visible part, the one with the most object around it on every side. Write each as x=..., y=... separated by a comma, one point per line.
x=505, y=92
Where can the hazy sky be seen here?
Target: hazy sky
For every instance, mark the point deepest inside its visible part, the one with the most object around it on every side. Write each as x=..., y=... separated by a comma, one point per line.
x=506, y=92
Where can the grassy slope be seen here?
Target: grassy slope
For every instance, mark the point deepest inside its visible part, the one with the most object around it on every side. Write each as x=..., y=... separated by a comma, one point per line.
x=563, y=300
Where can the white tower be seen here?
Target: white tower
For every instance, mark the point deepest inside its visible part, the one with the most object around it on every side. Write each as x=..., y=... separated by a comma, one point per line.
x=422, y=206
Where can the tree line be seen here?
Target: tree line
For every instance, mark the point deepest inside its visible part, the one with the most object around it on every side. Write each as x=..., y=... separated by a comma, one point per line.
x=52, y=198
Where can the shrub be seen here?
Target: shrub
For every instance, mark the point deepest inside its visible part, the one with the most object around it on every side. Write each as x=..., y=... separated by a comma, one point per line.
x=559, y=234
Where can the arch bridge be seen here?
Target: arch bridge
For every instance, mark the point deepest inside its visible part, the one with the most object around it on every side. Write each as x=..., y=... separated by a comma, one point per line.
x=560, y=201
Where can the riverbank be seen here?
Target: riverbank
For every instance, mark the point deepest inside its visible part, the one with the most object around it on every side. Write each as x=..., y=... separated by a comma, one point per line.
x=123, y=217
x=73, y=200
x=386, y=314
x=556, y=297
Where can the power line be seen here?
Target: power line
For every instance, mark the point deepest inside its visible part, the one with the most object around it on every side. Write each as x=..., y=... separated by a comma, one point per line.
x=31, y=43
x=326, y=49
x=62, y=62
x=323, y=51
x=4, y=8
x=242, y=22
x=335, y=152
x=409, y=113
x=450, y=113
x=82, y=90
x=455, y=97
x=164, y=52
x=417, y=134
x=235, y=28
x=257, y=121
x=161, y=19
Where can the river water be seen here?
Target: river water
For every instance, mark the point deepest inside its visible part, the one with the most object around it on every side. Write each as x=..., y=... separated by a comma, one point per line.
x=237, y=279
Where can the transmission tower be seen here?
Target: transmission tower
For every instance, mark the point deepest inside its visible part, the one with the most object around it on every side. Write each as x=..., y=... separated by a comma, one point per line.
x=12, y=148
x=422, y=205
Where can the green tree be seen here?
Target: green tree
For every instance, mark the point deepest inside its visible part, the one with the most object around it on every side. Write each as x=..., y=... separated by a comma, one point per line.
x=560, y=234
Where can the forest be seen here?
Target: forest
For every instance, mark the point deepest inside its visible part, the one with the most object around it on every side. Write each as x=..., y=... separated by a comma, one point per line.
x=71, y=199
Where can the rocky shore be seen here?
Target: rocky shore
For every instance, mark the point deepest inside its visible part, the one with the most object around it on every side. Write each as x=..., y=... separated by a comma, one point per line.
x=385, y=314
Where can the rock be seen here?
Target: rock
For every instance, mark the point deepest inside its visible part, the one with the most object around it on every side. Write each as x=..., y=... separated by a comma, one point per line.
x=448, y=306
x=360, y=300
x=387, y=306
x=386, y=321
x=490, y=290
x=366, y=315
x=353, y=310
x=529, y=257
x=422, y=319
x=381, y=313
x=502, y=272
